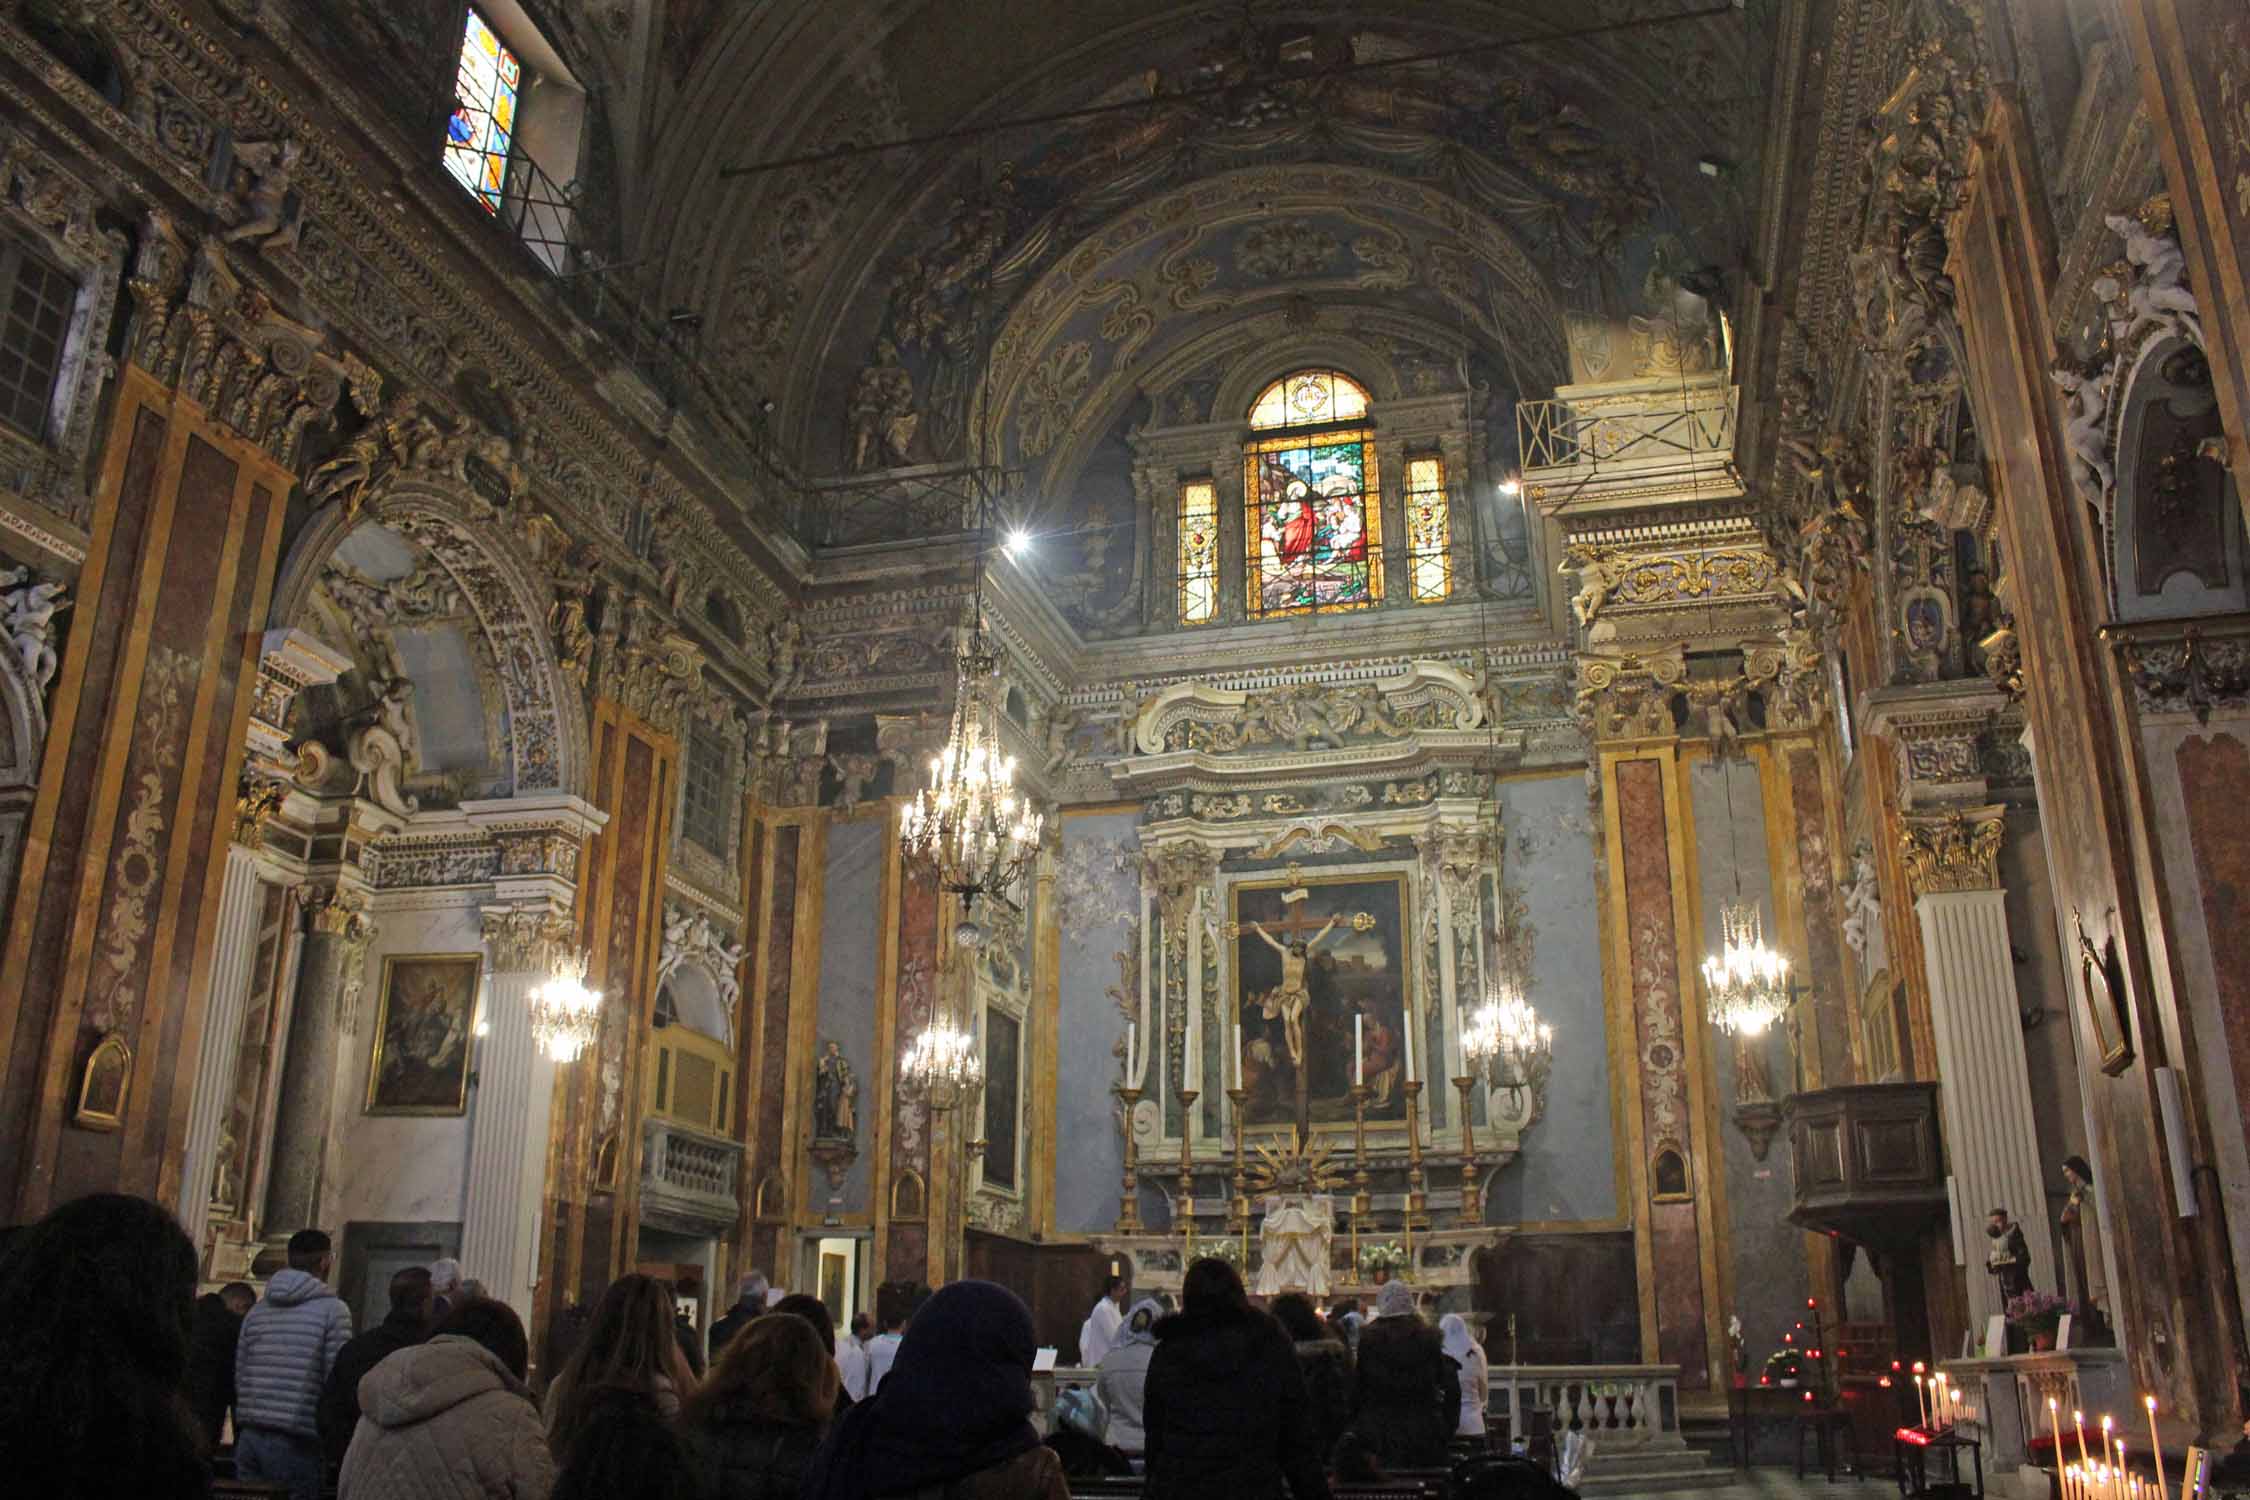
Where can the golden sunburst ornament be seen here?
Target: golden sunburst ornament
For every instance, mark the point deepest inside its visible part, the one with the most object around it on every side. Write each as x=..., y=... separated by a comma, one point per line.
x=1295, y=1166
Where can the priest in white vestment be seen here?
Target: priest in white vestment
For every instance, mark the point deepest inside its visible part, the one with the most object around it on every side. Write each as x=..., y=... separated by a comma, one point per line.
x=1100, y=1328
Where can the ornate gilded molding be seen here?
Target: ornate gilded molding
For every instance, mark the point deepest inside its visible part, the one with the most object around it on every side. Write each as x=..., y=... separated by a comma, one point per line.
x=2199, y=668
x=1956, y=851
x=1630, y=696
x=526, y=939
x=258, y=800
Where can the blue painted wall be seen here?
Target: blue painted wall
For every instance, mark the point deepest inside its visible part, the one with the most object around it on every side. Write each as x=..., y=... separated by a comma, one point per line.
x=1566, y=1170
x=1769, y=1253
x=851, y=945
x=1097, y=900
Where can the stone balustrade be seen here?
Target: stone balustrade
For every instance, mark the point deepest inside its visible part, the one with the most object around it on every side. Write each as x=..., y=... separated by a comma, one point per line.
x=1616, y=1406
x=689, y=1178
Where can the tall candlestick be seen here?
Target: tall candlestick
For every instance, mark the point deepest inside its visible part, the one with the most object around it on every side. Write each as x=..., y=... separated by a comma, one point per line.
x=2078, y=1425
x=1359, y=1047
x=2155, y=1443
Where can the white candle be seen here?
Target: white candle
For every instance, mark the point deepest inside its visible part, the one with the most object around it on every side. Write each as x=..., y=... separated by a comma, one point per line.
x=1359, y=1049
x=1132, y=1074
x=1238, y=1054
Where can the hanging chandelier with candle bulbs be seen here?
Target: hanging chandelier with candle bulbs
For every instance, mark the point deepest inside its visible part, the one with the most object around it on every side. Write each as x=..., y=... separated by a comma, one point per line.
x=566, y=1016
x=970, y=823
x=1506, y=1039
x=1745, y=983
x=942, y=1066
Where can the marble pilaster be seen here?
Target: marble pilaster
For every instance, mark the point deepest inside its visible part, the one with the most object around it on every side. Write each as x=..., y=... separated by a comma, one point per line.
x=231, y=958
x=335, y=945
x=1991, y=1137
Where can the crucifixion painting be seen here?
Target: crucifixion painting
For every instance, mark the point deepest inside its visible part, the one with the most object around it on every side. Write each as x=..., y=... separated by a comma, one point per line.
x=1311, y=959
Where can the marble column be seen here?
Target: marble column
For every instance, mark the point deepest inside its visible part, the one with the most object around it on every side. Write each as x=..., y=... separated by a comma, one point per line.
x=236, y=945
x=509, y=1125
x=335, y=944
x=1991, y=1140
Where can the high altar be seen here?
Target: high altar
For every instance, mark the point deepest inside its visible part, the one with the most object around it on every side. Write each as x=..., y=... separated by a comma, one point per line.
x=1326, y=892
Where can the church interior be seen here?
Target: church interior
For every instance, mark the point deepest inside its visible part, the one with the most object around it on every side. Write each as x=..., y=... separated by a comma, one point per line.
x=1585, y=655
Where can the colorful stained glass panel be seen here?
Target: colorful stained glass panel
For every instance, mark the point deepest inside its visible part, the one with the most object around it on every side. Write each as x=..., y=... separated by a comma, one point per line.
x=1199, y=552
x=1314, y=535
x=1309, y=398
x=1429, y=531
x=485, y=89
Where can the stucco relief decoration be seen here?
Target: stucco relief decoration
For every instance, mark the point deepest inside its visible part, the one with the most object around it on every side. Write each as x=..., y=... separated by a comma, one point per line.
x=1285, y=250
x=691, y=937
x=1630, y=695
x=167, y=685
x=1957, y=852
x=1663, y=1063
x=1428, y=697
x=28, y=606
x=1051, y=397
x=2200, y=669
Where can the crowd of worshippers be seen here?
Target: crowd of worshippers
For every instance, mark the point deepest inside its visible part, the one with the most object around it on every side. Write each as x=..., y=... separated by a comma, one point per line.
x=115, y=1379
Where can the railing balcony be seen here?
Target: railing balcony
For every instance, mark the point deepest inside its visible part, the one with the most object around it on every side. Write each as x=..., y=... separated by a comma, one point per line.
x=1618, y=1407
x=689, y=1178
x=1628, y=436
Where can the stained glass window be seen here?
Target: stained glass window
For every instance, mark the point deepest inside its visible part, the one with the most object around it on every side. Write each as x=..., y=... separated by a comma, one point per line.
x=1310, y=398
x=484, y=113
x=1199, y=552
x=1429, y=530
x=1314, y=535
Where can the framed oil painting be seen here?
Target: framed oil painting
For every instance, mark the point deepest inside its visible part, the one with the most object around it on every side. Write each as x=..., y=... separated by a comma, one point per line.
x=1003, y=1073
x=423, y=1035
x=1311, y=959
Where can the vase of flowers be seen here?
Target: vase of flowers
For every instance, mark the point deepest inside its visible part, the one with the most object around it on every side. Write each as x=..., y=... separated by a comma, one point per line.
x=1379, y=1263
x=2033, y=1316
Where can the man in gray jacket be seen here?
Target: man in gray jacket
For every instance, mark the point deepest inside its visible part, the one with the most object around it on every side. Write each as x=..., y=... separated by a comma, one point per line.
x=289, y=1343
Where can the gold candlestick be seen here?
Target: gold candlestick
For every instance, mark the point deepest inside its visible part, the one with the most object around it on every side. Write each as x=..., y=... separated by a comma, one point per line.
x=1235, y=1097
x=1362, y=1204
x=1417, y=1200
x=1129, y=1201
x=1472, y=1211
x=1186, y=1210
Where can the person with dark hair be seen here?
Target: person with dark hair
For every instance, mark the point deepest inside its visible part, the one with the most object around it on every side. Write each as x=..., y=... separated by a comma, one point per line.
x=1123, y=1383
x=1100, y=1328
x=1406, y=1399
x=627, y=1345
x=691, y=1341
x=413, y=1308
x=954, y=1414
x=1344, y=1317
x=95, y=1301
x=851, y=1357
x=749, y=1302
x=622, y=1447
x=1225, y=1413
x=1326, y=1364
x=882, y=1350
x=211, y=1344
x=451, y=1419
x=290, y=1342
x=815, y=1312
x=751, y=1430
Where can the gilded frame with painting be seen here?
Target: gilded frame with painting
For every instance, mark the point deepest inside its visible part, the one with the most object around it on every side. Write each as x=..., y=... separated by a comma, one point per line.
x=425, y=1040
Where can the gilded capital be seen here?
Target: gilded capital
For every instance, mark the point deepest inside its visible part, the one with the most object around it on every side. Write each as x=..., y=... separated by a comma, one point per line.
x=257, y=799
x=1958, y=851
x=339, y=913
x=526, y=939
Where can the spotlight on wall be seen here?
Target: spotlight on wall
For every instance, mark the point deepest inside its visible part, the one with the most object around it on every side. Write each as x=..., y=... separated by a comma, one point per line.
x=1018, y=541
x=1511, y=486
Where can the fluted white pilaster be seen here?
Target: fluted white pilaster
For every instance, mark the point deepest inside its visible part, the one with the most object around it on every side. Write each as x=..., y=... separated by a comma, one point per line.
x=1984, y=1081
x=507, y=1145
x=232, y=955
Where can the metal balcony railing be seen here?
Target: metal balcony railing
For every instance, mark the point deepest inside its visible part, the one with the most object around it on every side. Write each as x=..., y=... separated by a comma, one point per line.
x=1659, y=425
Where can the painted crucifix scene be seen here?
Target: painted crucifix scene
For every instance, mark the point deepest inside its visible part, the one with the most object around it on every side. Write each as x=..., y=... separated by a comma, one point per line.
x=1320, y=993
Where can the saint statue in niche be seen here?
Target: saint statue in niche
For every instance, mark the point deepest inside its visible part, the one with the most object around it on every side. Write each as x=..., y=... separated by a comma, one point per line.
x=835, y=1096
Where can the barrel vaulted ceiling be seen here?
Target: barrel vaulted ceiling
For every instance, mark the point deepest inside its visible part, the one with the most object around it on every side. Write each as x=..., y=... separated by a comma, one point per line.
x=1500, y=171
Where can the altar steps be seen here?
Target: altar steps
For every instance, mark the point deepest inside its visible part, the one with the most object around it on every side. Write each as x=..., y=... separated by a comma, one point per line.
x=1651, y=1471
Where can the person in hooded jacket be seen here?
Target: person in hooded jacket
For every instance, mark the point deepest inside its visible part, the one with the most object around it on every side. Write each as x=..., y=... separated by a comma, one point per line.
x=952, y=1416
x=289, y=1343
x=1225, y=1413
x=1406, y=1400
x=1326, y=1363
x=752, y=1428
x=1123, y=1381
x=451, y=1419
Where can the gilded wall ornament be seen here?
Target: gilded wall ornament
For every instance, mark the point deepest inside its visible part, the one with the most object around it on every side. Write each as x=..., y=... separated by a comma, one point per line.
x=1959, y=851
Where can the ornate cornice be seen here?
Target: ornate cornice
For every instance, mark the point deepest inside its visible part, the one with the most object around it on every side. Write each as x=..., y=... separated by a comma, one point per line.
x=2197, y=667
x=1955, y=851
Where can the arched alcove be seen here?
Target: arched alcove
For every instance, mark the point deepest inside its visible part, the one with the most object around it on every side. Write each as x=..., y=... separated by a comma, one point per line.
x=2176, y=542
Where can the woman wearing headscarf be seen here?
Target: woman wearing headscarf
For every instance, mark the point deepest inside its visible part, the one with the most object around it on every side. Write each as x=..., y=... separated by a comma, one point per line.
x=1124, y=1376
x=1406, y=1400
x=954, y=1413
x=1225, y=1414
x=1476, y=1376
x=1326, y=1364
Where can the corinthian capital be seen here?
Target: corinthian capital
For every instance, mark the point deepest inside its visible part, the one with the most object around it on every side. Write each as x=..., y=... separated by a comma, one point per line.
x=526, y=939
x=1956, y=851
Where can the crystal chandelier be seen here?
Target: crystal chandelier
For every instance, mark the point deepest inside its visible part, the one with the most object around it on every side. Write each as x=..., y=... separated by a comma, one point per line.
x=1745, y=983
x=1505, y=1037
x=942, y=1065
x=565, y=1015
x=970, y=823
